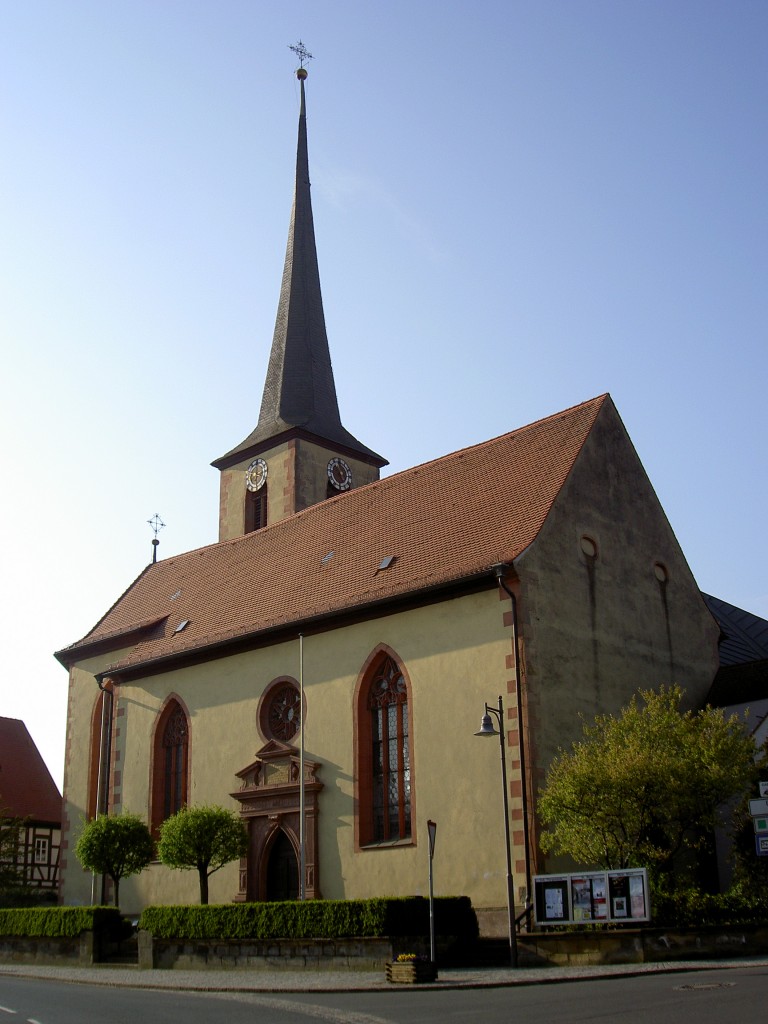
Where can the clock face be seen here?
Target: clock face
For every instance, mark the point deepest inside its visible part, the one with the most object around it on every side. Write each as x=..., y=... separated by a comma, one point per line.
x=340, y=474
x=256, y=475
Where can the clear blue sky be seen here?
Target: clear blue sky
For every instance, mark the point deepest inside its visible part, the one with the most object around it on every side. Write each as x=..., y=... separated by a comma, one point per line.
x=519, y=205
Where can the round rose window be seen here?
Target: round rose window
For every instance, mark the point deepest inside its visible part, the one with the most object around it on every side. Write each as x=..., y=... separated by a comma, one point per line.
x=281, y=713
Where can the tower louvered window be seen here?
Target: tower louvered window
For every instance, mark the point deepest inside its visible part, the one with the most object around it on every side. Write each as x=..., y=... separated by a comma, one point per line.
x=256, y=509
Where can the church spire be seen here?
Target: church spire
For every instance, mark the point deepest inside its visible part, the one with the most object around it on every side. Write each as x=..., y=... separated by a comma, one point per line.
x=299, y=453
x=299, y=392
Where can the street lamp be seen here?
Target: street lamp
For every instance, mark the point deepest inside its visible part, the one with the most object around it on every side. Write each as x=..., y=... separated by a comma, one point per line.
x=487, y=729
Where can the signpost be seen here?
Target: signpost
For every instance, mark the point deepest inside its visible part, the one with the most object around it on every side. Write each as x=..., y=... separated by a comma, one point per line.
x=759, y=811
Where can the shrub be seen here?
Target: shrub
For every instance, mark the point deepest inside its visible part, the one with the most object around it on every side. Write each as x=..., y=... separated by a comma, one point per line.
x=319, y=919
x=58, y=922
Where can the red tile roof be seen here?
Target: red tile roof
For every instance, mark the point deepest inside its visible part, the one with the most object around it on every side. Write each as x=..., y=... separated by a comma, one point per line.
x=444, y=522
x=26, y=787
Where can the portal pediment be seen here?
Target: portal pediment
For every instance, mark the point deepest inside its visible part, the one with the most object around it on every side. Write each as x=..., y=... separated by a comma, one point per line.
x=277, y=764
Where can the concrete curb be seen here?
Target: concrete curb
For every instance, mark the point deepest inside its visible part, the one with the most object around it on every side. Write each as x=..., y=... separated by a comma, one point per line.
x=264, y=981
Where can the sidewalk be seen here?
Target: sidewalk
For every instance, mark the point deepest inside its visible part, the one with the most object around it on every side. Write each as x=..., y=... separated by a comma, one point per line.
x=263, y=980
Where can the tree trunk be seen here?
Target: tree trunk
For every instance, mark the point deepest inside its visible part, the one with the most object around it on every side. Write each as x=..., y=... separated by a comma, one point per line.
x=203, y=873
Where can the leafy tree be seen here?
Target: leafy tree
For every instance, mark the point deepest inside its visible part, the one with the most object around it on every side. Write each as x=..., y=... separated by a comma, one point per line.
x=644, y=786
x=118, y=845
x=202, y=839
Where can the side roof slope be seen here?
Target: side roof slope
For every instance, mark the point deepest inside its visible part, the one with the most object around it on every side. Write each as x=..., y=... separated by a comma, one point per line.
x=441, y=523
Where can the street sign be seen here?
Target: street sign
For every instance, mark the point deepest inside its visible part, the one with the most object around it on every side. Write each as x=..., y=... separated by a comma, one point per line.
x=761, y=845
x=761, y=824
x=758, y=808
x=432, y=832
x=763, y=786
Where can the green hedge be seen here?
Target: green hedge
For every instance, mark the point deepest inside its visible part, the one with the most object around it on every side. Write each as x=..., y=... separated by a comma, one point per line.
x=313, y=919
x=690, y=908
x=53, y=922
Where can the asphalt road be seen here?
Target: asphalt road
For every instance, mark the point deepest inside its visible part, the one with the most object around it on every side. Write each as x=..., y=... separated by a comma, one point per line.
x=706, y=997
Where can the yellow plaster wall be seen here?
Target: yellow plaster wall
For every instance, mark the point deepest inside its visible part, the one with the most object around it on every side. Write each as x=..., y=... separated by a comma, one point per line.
x=455, y=656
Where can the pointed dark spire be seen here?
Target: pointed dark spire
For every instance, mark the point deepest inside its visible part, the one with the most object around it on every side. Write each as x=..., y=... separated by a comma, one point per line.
x=299, y=392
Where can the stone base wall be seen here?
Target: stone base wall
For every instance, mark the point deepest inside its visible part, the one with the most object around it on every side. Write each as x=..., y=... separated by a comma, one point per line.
x=17, y=949
x=286, y=954
x=646, y=945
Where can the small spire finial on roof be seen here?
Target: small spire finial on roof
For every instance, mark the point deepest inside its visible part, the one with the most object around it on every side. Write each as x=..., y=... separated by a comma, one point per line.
x=157, y=525
x=304, y=55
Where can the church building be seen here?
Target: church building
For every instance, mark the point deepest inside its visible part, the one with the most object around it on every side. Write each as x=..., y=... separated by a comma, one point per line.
x=347, y=631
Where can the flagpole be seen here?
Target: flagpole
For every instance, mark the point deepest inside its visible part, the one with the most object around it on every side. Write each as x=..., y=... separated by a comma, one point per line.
x=302, y=837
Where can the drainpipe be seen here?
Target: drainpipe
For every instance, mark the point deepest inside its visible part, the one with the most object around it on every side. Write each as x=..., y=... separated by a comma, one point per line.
x=499, y=570
x=105, y=753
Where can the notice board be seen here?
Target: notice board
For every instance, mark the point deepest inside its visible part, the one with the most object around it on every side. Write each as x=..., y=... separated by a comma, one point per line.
x=592, y=897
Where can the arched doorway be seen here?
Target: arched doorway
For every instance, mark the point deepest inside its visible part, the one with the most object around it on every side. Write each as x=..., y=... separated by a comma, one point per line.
x=282, y=870
x=270, y=800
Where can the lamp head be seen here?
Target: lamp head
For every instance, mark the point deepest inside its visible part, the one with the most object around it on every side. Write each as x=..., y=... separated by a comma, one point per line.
x=486, y=727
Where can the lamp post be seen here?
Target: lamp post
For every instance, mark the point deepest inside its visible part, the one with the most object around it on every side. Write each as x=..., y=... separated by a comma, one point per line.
x=302, y=808
x=487, y=729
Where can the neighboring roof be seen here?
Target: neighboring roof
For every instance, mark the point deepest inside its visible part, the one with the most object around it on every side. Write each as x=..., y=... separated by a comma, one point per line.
x=744, y=636
x=26, y=787
x=299, y=392
x=743, y=674
x=443, y=522
x=739, y=684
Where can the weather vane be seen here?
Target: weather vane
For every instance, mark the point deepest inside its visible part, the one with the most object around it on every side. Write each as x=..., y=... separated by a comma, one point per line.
x=301, y=52
x=157, y=525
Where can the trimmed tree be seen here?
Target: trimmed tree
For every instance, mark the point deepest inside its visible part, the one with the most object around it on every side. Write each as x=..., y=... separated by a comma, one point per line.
x=117, y=845
x=202, y=839
x=645, y=786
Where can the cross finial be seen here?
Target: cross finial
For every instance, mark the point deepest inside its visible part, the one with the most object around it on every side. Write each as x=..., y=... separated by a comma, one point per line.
x=301, y=52
x=157, y=525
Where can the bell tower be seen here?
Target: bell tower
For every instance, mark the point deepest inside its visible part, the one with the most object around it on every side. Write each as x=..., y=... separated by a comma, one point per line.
x=299, y=453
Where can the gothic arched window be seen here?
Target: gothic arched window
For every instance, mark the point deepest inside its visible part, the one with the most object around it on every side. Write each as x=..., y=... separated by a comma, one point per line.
x=170, y=769
x=384, y=754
